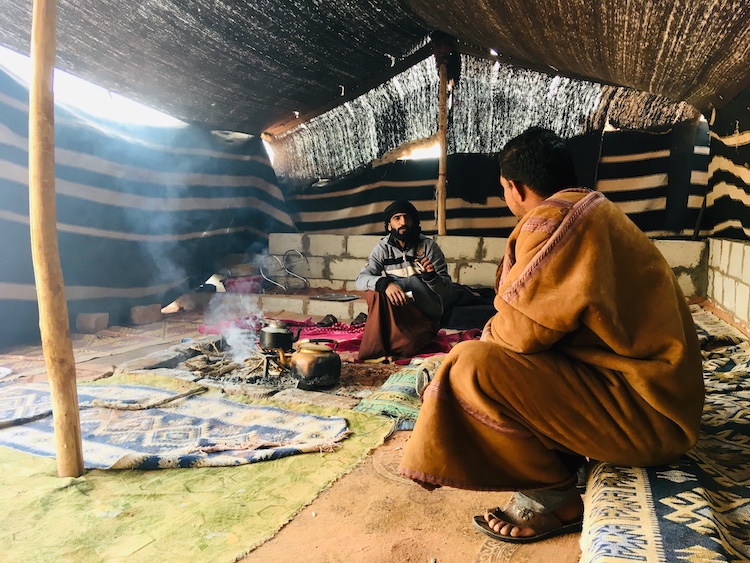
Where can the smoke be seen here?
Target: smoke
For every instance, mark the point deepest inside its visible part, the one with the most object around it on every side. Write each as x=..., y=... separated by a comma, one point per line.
x=240, y=343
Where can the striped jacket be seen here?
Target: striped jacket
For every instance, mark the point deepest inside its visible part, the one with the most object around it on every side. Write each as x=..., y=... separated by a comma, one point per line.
x=389, y=262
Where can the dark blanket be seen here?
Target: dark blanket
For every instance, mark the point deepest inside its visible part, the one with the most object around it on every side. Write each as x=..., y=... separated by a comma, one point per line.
x=466, y=308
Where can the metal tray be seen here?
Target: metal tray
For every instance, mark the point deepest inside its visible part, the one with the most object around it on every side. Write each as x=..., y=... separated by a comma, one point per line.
x=334, y=297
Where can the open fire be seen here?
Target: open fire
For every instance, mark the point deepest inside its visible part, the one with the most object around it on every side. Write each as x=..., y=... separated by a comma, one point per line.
x=236, y=363
x=255, y=366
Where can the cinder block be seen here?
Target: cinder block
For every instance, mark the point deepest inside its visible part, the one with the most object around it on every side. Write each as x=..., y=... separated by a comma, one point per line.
x=728, y=293
x=735, y=259
x=714, y=253
x=145, y=314
x=316, y=267
x=322, y=283
x=358, y=306
x=458, y=248
x=686, y=284
x=279, y=243
x=340, y=310
x=350, y=285
x=725, y=248
x=345, y=268
x=477, y=274
x=493, y=249
x=360, y=246
x=277, y=304
x=299, y=266
x=90, y=323
x=742, y=302
x=681, y=253
x=718, y=292
x=453, y=270
x=326, y=245
x=746, y=263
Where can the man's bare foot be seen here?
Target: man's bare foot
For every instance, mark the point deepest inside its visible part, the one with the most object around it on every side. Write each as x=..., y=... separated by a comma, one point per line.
x=571, y=511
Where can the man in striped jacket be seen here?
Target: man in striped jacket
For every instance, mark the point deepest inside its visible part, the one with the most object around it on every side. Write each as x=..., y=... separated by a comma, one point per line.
x=406, y=278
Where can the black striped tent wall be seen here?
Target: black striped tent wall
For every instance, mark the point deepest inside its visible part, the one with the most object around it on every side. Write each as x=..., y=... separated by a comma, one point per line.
x=658, y=179
x=143, y=213
x=728, y=202
x=354, y=205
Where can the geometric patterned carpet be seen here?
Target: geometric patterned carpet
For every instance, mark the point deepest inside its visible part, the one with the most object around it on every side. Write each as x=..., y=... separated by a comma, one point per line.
x=192, y=431
x=697, y=509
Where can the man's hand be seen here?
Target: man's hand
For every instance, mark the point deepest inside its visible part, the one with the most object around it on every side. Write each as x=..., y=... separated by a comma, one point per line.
x=425, y=267
x=396, y=295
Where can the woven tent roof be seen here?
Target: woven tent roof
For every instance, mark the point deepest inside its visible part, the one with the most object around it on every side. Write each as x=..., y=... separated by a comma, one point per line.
x=245, y=66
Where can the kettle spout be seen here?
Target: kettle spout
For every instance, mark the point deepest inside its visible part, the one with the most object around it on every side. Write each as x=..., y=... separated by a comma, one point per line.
x=296, y=336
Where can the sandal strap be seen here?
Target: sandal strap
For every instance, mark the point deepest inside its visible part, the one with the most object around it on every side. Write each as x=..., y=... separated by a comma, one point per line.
x=526, y=518
x=545, y=500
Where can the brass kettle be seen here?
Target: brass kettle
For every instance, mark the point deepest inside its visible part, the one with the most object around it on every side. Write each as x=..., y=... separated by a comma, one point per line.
x=315, y=365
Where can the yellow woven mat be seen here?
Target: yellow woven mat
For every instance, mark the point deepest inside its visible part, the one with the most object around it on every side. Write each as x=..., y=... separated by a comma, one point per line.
x=206, y=514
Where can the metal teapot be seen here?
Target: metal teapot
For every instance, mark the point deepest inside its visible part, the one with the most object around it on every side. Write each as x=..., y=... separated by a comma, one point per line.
x=315, y=365
x=277, y=335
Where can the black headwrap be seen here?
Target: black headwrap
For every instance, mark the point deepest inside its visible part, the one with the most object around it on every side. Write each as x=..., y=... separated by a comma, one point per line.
x=400, y=206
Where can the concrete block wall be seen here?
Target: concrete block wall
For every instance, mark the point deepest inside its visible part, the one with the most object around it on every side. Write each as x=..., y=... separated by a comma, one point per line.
x=333, y=261
x=729, y=278
x=228, y=306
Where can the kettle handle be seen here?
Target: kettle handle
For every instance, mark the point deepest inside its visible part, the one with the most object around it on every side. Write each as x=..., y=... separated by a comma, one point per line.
x=296, y=336
x=320, y=340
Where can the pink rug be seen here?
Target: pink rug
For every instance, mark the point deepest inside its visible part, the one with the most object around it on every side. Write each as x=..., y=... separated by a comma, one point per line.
x=347, y=337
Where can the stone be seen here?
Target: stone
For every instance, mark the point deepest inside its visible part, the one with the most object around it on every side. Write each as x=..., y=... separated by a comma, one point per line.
x=145, y=314
x=90, y=323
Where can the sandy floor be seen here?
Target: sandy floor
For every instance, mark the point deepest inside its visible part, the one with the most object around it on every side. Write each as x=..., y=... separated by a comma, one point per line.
x=372, y=515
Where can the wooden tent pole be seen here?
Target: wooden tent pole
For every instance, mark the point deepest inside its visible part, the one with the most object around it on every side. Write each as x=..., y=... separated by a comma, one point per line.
x=53, y=310
x=442, y=140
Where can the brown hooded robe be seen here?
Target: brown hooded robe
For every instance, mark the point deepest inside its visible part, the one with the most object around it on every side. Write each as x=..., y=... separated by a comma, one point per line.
x=592, y=351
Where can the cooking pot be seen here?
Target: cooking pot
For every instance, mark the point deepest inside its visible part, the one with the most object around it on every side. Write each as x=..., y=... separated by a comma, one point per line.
x=316, y=365
x=276, y=335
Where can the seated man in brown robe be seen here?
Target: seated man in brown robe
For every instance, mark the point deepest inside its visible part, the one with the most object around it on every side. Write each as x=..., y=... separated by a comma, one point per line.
x=592, y=354
x=405, y=278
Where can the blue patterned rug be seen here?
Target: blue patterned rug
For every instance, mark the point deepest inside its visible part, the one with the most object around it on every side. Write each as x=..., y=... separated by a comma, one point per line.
x=695, y=510
x=189, y=432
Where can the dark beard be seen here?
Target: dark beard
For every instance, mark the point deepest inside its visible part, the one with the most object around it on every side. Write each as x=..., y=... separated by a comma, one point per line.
x=409, y=236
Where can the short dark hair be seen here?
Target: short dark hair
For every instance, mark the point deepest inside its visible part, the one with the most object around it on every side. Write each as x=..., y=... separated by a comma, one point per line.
x=539, y=159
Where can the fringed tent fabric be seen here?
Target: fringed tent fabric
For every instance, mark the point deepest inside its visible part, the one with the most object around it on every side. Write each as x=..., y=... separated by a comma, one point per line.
x=648, y=153
x=246, y=66
x=491, y=103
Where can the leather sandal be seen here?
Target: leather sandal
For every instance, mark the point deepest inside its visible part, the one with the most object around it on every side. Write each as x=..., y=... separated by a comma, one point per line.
x=328, y=320
x=359, y=320
x=546, y=525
